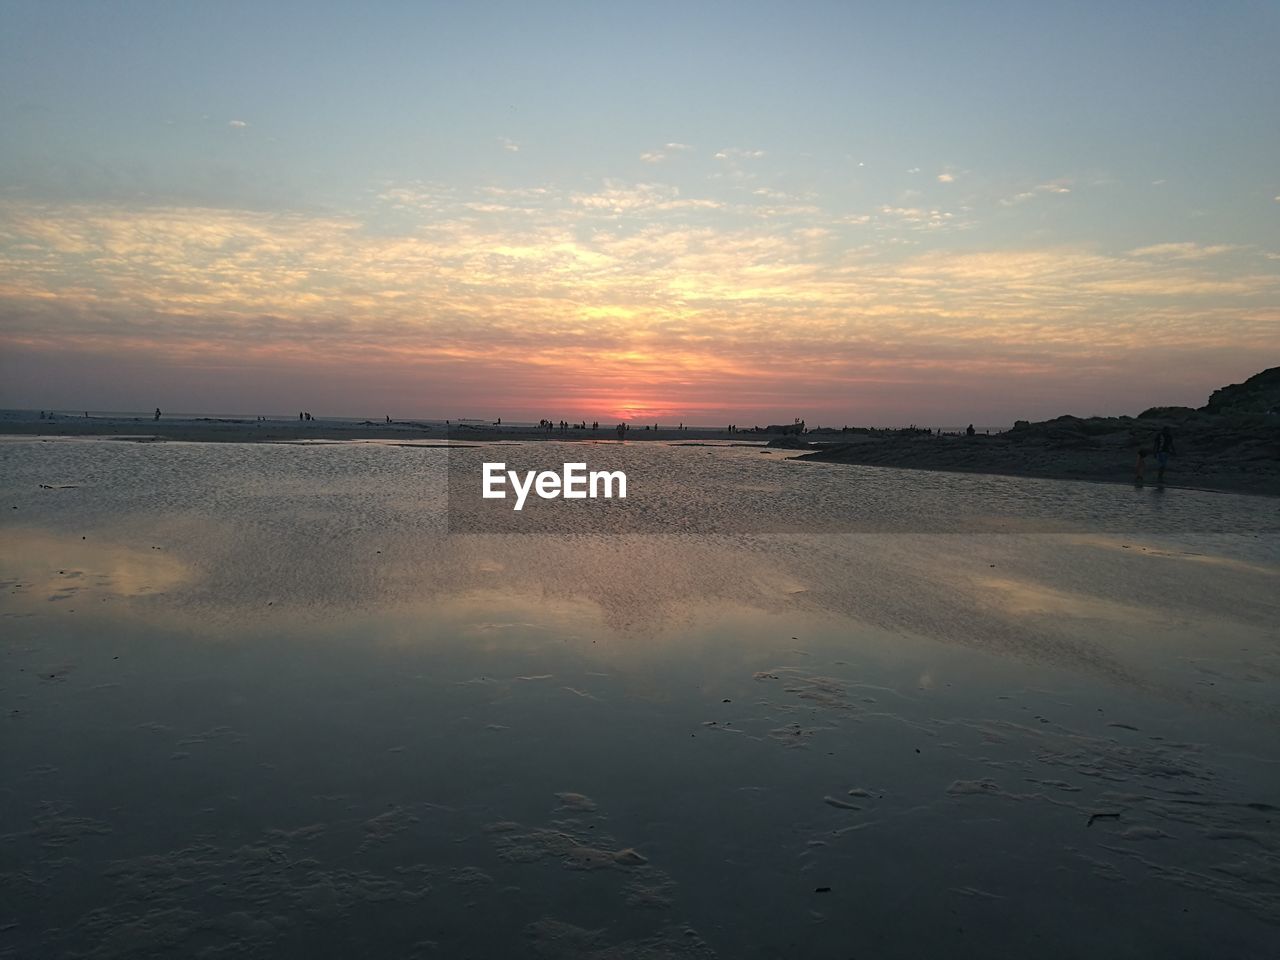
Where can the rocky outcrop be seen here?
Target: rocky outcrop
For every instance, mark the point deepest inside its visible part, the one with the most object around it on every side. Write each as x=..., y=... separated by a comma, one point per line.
x=786, y=429
x=1259, y=394
x=1232, y=443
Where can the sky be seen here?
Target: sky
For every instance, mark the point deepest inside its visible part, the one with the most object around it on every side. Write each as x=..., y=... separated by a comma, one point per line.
x=854, y=213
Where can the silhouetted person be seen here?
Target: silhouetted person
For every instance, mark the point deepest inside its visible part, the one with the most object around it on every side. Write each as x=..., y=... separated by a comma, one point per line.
x=1140, y=467
x=969, y=431
x=157, y=413
x=1164, y=450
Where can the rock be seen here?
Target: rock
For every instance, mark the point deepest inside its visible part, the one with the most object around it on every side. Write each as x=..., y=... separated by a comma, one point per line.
x=790, y=443
x=1259, y=394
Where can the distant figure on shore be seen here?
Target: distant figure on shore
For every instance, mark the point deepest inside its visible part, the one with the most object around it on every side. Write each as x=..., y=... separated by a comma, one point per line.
x=157, y=413
x=1164, y=449
x=1140, y=467
x=969, y=431
x=299, y=416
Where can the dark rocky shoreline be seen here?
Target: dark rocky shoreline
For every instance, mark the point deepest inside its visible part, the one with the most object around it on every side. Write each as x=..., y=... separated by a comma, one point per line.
x=1232, y=443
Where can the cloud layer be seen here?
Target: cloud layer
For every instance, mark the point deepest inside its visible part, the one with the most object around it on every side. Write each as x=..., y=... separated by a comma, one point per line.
x=629, y=297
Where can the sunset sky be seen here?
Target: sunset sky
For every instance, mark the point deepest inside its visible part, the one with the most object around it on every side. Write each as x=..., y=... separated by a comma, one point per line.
x=870, y=213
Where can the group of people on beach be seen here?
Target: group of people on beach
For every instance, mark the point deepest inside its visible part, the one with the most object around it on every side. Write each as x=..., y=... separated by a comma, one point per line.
x=564, y=426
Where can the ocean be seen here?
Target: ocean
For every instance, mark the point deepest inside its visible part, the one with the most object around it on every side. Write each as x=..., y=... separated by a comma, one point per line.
x=321, y=700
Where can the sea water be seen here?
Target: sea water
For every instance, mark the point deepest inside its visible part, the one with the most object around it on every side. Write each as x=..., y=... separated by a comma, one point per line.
x=309, y=700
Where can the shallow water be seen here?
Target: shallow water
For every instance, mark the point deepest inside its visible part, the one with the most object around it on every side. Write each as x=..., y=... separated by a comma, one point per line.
x=259, y=700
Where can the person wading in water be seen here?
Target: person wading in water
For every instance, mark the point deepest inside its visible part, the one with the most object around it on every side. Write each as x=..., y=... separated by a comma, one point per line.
x=1163, y=450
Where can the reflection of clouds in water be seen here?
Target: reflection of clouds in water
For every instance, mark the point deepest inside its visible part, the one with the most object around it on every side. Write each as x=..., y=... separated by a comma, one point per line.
x=341, y=532
x=1068, y=604
x=40, y=565
x=1203, y=552
x=1025, y=598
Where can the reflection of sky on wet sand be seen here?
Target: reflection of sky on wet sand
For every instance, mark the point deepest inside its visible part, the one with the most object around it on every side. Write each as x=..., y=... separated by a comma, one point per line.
x=41, y=565
x=1152, y=549
x=300, y=696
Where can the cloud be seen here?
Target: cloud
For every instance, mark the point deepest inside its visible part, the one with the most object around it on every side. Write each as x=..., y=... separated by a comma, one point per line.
x=238, y=124
x=1182, y=251
x=946, y=178
x=631, y=283
x=658, y=156
x=739, y=153
x=918, y=218
x=509, y=145
x=1060, y=186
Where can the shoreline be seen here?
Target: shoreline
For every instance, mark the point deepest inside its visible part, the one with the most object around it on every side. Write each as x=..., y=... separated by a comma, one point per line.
x=1047, y=454
x=216, y=430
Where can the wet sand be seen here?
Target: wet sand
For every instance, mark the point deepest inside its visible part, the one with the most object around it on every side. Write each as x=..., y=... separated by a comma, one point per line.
x=258, y=702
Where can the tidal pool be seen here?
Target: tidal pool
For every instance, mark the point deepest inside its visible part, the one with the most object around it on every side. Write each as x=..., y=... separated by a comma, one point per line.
x=286, y=700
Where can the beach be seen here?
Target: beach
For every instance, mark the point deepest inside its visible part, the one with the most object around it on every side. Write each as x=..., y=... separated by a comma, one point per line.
x=241, y=429
x=299, y=699
x=1067, y=449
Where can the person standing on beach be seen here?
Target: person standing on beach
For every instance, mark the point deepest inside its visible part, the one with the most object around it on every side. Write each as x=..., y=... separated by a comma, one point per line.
x=1140, y=466
x=157, y=413
x=1164, y=450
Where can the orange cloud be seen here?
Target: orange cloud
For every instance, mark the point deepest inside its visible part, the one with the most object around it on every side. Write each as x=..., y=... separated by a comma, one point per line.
x=697, y=300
